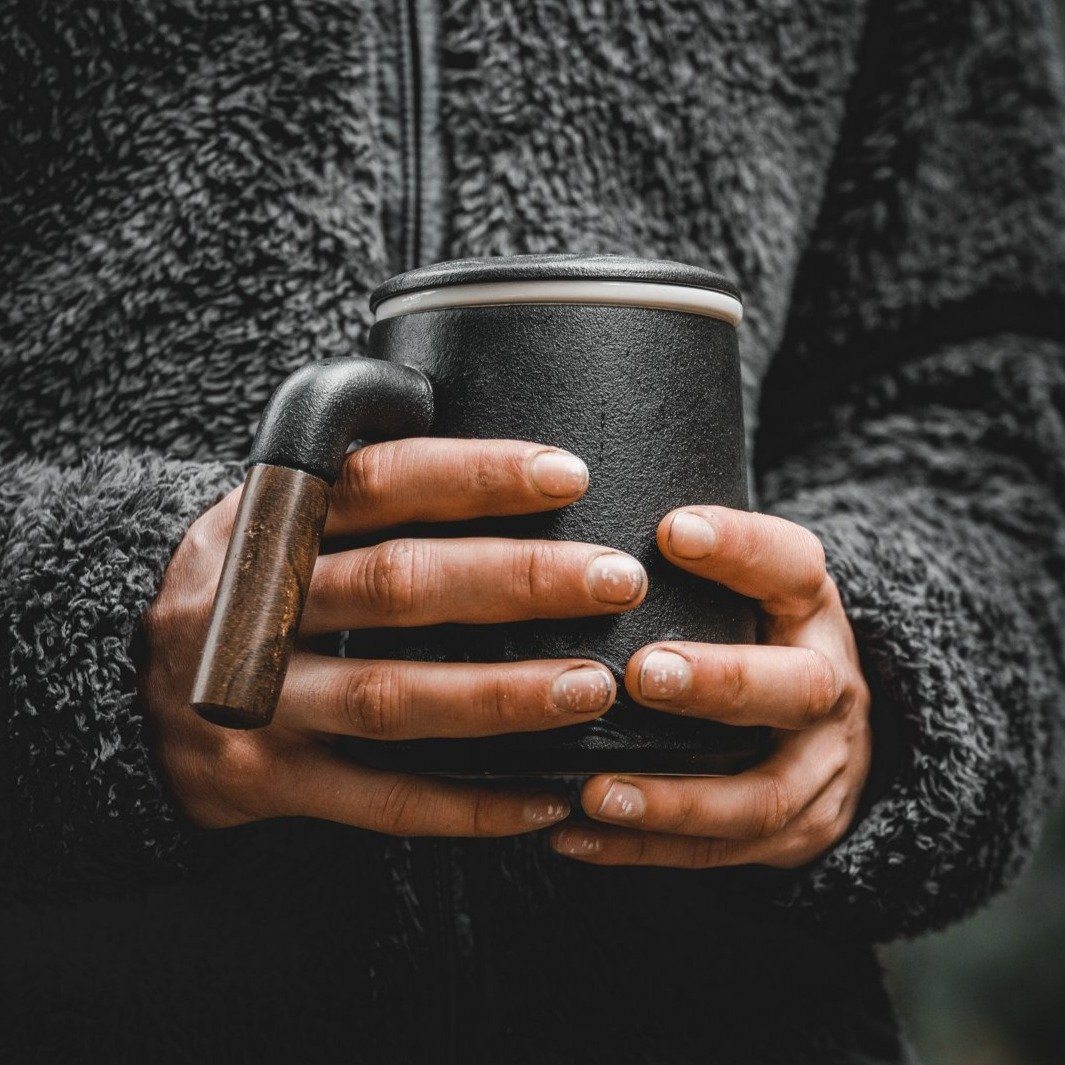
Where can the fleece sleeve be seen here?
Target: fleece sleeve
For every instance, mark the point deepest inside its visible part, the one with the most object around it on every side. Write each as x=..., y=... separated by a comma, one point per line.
x=82, y=553
x=917, y=424
x=188, y=212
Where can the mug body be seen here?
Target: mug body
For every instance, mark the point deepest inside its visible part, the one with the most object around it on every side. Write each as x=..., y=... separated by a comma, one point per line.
x=632, y=365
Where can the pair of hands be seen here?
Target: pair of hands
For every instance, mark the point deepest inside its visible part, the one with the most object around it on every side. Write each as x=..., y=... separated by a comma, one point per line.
x=804, y=680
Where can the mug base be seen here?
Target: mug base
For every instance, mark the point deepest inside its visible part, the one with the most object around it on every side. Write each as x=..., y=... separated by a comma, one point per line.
x=486, y=758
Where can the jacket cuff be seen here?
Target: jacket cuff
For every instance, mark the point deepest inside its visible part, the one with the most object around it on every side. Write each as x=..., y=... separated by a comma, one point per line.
x=85, y=553
x=966, y=762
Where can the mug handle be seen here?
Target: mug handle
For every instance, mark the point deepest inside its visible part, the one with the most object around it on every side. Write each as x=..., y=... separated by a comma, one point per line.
x=305, y=432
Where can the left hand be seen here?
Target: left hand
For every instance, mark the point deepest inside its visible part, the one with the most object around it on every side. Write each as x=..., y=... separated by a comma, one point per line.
x=804, y=680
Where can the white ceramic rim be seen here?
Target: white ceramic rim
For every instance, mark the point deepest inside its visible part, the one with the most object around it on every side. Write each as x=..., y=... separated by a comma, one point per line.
x=653, y=295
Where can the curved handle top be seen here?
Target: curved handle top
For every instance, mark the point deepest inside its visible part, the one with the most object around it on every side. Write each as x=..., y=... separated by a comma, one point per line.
x=303, y=436
x=316, y=412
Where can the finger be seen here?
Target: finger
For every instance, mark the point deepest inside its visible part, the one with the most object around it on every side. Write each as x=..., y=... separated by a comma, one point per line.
x=402, y=481
x=599, y=845
x=784, y=687
x=615, y=846
x=414, y=700
x=755, y=804
x=215, y=525
x=319, y=783
x=820, y=827
x=478, y=580
x=777, y=562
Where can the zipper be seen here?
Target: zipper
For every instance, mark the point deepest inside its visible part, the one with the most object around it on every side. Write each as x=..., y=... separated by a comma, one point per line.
x=410, y=141
x=420, y=240
x=421, y=217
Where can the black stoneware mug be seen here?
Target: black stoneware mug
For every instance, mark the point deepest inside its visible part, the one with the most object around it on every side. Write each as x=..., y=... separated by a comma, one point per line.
x=631, y=364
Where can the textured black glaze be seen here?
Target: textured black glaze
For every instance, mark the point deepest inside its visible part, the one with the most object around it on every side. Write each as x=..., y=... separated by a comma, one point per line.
x=551, y=268
x=650, y=399
x=316, y=412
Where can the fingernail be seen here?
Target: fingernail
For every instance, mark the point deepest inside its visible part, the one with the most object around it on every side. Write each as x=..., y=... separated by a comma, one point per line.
x=615, y=578
x=558, y=473
x=582, y=690
x=576, y=841
x=691, y=536
x=623, y=802
x=664, y=675
x=545, y=809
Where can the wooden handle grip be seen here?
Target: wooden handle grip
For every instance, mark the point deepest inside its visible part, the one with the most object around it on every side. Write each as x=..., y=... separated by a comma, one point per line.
x=260, y=596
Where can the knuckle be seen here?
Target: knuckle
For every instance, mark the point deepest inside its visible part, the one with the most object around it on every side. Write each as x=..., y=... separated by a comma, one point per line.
x=499, y=700
x=160, y=620
x=485, y=469
x=836, y=759
x=711, y=852
x=772, y=805
x=534, y=576
x=187, y=774
x=202, y=538
x=484, y=817
x=683, y=812
x=374, y=702
x=220, y=517
x=837, y=763
x=734, y=682
x=193, y=573
x=822, y=829
x=190, y=581
x=840, y=810
x=238, y=767
x=219, y=778
x=814, y=833
x=396, y=808
x=365, y=475
x=641, y=847
x=392, y=576
x=743, y=542
x=810, y=572
x=855, y=690
x=822, y=687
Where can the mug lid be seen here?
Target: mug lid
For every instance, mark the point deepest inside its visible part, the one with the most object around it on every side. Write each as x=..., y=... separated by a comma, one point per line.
x=596, y=279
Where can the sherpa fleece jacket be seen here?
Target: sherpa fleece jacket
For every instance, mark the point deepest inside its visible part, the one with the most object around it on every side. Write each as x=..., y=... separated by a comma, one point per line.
x=197, y=196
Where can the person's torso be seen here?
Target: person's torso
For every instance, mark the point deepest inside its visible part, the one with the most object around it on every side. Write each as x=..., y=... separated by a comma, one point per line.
x=199, y=199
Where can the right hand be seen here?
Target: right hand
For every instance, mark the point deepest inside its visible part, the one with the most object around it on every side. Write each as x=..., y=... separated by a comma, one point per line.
x=222, y=777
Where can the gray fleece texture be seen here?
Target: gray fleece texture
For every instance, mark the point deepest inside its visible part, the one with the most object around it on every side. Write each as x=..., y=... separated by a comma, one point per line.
x=84, y=549
x=197, y=197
